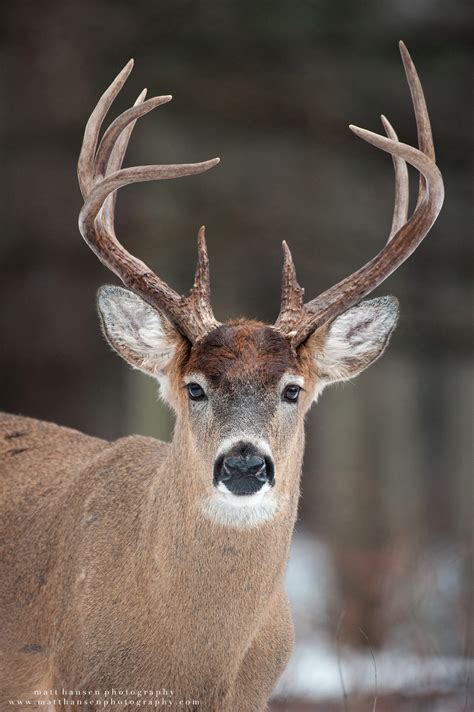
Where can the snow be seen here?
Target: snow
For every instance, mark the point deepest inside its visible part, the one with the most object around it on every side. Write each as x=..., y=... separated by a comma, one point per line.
x=321, y=668
x=314, y=673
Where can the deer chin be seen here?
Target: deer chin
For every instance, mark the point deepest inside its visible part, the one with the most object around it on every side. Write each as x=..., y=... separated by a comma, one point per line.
x=242, y=511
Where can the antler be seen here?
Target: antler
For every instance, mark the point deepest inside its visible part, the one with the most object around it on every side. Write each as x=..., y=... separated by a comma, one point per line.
x=100, y=176
x=298, y=320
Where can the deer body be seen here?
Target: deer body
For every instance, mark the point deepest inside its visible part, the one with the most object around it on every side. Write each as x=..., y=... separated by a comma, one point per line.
x=104, y=586
x=142, y=565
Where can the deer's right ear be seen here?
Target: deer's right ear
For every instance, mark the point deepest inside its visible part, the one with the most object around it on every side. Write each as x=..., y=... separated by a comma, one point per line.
x=138, y=333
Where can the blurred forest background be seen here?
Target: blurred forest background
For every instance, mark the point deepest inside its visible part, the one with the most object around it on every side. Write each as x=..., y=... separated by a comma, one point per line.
x=382, y=561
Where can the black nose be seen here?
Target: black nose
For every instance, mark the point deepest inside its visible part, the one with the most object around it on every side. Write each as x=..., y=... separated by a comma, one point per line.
x=243, y=470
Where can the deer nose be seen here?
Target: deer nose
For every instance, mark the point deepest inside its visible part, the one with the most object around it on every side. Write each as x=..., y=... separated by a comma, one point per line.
x=243, y=470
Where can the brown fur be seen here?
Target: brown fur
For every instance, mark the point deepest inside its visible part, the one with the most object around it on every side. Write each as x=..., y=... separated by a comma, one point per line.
x=243, y=350
x=115, y=576
x=98, y=592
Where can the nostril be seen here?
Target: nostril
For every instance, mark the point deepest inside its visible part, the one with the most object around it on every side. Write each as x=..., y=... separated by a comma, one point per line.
x=257, y=468
x=253, y=466
x=234, y=464
x=226, y=473
x=261, y=473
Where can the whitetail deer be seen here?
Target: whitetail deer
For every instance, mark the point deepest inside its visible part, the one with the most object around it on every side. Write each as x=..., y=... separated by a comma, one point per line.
x=143, y=565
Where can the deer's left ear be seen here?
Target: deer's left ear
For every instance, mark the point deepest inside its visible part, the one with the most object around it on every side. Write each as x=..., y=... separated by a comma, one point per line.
x=353, y=340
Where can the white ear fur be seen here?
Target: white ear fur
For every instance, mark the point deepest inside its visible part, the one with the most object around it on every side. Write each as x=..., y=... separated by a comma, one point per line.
x=356, y=339
x=136, y=331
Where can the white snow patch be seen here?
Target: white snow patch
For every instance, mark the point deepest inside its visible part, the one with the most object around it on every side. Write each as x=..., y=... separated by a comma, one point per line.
x=315, y=668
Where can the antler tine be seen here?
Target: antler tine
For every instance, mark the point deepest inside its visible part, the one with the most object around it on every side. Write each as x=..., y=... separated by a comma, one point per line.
x=116, y=127
x=408, y=236
x=291, y=294
x=200, y=294
x=423, y=125
x=402, y=192
x=85, y=165
x=107, y=214
x=100, y=176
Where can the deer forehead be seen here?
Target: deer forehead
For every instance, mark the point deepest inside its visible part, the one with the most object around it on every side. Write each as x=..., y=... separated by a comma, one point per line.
x=239, y=352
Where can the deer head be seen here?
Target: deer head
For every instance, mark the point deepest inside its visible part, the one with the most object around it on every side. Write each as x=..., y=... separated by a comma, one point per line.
x=240, y=390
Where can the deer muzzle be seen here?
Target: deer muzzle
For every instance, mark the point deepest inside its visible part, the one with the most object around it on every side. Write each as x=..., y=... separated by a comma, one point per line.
x=244, y=470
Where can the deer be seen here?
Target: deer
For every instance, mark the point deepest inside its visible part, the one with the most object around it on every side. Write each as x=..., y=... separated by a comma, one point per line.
x=143, y=565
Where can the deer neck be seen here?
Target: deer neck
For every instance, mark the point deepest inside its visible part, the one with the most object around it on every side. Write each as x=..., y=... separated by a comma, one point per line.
x=205, y=571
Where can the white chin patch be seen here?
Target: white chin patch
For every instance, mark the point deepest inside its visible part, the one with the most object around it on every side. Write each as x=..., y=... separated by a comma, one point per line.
x=248, y=510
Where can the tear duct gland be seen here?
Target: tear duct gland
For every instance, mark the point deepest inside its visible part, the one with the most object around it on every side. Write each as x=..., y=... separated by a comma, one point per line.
x=141, y=573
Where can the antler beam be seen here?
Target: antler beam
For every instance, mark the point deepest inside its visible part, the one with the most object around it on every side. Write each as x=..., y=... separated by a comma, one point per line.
x=100, y=176
x=297, y=320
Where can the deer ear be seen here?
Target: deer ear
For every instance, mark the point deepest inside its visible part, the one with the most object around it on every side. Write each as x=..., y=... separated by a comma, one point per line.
x=354, y=340
x=137, y=332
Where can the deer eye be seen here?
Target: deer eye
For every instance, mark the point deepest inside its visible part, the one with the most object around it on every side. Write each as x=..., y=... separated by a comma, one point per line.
x=195, y=392
x=291, y=393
